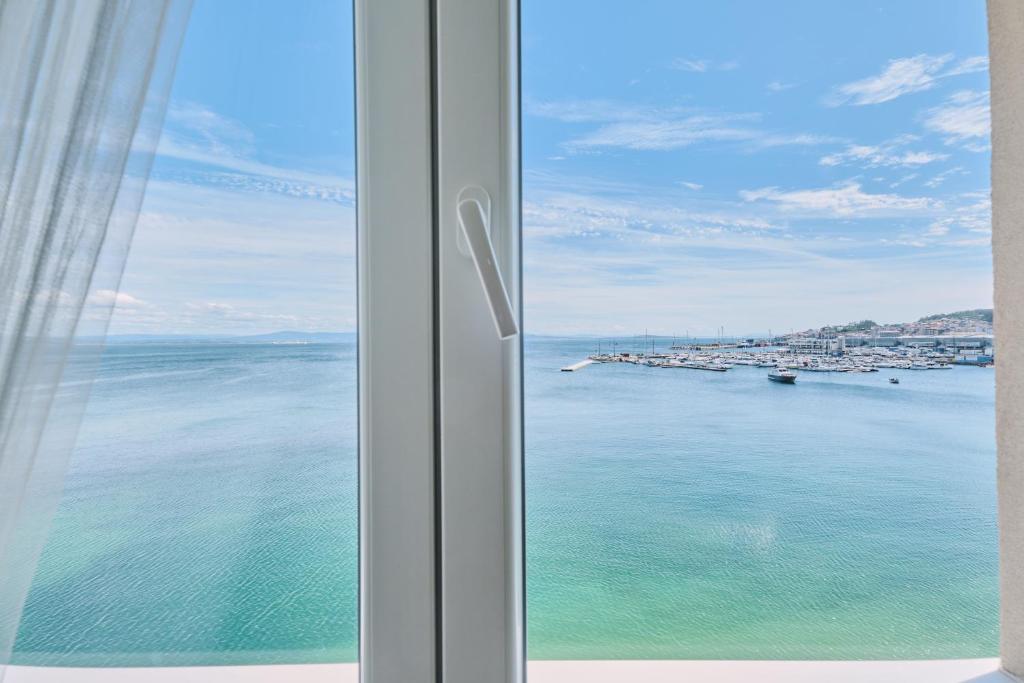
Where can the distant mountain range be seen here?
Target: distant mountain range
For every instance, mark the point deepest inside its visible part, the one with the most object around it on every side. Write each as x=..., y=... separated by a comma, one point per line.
x=979, y=314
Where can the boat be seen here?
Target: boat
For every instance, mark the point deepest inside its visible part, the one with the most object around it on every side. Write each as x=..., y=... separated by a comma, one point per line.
x=699, y=365
x=782, y=375
x=894, y=380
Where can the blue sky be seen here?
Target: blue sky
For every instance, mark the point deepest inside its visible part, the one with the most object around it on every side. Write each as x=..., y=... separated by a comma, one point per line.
x=686, y=166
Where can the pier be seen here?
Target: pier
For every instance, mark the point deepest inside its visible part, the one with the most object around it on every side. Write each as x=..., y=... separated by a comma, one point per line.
x=578, y=366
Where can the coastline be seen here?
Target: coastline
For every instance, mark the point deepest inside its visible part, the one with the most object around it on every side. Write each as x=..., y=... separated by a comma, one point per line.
x=542, y=671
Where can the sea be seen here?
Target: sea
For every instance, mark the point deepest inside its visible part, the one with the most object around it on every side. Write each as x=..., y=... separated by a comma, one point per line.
x=210, y=512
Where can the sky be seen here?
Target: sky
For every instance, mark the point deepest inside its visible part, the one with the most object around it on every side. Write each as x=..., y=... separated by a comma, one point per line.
x=686, y=166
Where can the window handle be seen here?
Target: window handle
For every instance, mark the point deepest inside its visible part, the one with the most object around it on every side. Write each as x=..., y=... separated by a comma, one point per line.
x=474, y=209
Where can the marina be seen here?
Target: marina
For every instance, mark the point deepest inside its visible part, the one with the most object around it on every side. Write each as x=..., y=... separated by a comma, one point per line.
x=722, y=359
x=935, y=342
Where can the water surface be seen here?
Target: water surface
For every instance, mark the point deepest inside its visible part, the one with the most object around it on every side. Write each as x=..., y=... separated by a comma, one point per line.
x=210, y=514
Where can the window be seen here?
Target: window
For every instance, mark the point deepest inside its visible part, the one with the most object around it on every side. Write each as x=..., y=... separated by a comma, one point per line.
x=436, y=383
x=705, y=202
x=210, y=514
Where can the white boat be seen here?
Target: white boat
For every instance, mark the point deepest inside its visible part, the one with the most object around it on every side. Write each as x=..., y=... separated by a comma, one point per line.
x=782, y=376
x=697, y=365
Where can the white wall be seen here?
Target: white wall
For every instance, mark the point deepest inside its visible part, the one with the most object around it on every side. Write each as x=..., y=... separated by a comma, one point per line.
x=1006, y=48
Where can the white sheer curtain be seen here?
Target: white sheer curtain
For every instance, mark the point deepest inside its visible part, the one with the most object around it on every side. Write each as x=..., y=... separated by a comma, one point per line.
x=83, y=90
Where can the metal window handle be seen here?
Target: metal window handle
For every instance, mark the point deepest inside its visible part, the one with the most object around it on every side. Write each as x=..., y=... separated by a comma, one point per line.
x=474, y=221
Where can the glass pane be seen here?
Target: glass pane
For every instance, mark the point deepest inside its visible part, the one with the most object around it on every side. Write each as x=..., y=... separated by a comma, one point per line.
x=210, y=514
x=714, y=191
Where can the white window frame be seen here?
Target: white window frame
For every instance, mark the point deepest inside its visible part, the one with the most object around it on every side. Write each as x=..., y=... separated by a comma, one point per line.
x=437, y=109
x=440, y=394
x=482, y=597
x=395, y=235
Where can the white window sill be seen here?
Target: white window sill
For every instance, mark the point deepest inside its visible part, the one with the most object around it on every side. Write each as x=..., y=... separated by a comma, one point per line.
x=930, y=671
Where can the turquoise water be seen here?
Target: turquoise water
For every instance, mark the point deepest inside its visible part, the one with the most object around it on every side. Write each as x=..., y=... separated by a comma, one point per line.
x=690, y=514
x=210, y=514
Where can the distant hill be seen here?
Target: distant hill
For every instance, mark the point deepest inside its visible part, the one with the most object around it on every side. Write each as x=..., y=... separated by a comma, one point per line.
x=982, y=314
x=860, y=326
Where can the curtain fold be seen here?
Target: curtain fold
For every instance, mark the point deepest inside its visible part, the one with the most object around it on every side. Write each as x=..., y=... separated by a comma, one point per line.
x=83, y=90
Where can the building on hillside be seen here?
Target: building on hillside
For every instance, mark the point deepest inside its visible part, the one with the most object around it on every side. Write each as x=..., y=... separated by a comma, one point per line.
x=884, y=337
x=948, y=342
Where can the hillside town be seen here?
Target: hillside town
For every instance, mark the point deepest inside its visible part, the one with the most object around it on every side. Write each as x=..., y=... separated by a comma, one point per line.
x=964, y=336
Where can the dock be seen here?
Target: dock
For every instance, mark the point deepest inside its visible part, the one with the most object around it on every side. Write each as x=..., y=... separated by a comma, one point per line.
x=578, y=366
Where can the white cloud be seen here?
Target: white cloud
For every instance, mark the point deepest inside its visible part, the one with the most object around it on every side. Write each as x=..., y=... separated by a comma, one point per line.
x=704, y=65
x=919, y=158
x=905, y=179
x=108, y=297
x=695, y=65
x=666, y=134
x=201, y=136
x=901, y=77
x=972, y=242
x=779, y=86
x=887, y=154
x=781, y=140
x=211, y=307
x=175, y=148
x=635, y=216
x=976, y=215
x=969, y=66
x=747, y=281
x=845, y=201
x=603, y=257
x=940, y=178
x=48, y=296
x=208, y=311
x=226, y=260
x=964, y=118
x=220, y=133
x=972, y=213
x=595, y=111
x=628, y=126
x=691, y=186
x=301, y=188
